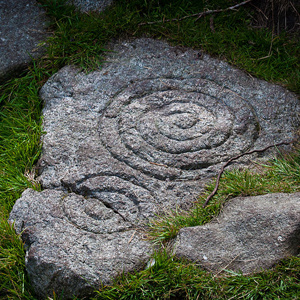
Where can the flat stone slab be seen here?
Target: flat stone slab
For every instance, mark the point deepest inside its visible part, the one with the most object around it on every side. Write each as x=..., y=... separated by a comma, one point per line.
x=140, y=136
x=251, y=234
x=22, y=29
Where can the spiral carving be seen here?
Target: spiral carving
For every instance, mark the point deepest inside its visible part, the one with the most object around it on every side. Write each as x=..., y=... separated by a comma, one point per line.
x=174, y=128
x=113, y=202
x=92, y=215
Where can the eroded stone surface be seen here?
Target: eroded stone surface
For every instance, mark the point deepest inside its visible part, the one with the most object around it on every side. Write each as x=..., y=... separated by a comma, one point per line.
x=140, y=136
x=22, y=28
x=251, y=234
x=73, y=244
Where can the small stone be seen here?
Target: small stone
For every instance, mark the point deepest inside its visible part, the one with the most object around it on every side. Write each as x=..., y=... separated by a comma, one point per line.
x=251, y=234
x=22, y=29
x=91, y=5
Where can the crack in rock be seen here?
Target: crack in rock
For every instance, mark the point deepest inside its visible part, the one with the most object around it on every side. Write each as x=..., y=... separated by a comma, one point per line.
x=132, y=201
x=92, y=215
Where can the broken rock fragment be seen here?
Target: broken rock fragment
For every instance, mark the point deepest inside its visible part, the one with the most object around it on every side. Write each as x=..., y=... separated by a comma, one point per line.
x=251, y=234
x=73, y=244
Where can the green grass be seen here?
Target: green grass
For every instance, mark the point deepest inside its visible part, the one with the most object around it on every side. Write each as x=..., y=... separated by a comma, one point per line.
x=14, y=283
x=20, y=147
x=82, y=39
x=170, y=278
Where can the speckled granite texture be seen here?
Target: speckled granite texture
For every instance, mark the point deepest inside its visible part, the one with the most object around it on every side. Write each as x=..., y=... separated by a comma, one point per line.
x=22, y=30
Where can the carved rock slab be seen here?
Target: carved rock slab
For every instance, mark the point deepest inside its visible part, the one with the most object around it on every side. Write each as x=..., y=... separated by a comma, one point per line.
x=155, y=115
x=74, y=244
x=142, y=135
x=251, y=234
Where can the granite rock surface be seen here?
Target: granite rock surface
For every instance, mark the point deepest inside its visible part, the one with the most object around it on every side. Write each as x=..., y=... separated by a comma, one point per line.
x=140, y=136
x=159, y=118
x=74, y=244
x=91, y=5
x=22, y=30
x=251, y=234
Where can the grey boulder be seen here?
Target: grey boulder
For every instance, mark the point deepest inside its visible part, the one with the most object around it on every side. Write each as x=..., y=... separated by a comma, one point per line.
x=22, y=29
x=251, y=234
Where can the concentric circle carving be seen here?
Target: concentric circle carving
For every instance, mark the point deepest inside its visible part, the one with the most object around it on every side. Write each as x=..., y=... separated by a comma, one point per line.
x=174, y=128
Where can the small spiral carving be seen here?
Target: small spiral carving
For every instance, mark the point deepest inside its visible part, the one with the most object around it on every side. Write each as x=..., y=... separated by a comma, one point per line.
x=112, y=204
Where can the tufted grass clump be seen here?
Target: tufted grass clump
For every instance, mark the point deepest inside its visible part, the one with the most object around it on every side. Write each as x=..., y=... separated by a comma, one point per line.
x=82, y=39
x=14, y=283
x=288, y=166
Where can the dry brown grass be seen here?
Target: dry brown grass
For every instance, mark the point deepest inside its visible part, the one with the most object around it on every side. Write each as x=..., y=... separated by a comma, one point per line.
x=277, y=15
